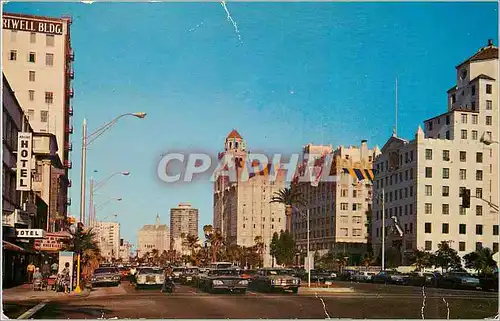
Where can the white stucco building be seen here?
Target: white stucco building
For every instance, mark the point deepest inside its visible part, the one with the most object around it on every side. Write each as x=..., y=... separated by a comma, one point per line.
x=422, y=178
x=153, y=236
x=108, y=237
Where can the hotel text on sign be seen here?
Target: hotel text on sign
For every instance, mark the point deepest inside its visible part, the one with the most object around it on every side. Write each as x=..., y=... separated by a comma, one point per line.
x=55, y=28
x=51, y=242
x=23, y=177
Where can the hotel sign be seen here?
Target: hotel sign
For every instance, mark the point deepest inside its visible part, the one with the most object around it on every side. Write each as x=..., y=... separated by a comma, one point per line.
x=30, y=233
x=23, y=177
x=29, y=25
x=51, y=242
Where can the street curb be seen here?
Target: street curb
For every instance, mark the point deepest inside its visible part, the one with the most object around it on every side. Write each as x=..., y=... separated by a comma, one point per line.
x=28, y=314
x=326, y=290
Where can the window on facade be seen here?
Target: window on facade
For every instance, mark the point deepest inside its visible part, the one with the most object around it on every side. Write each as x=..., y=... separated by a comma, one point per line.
x=428, y=245
x=356, y=219
x=447, y=119
x=479, y=246
x=479, y=210
x=49, y=97
x=463, y=174
x=44, y=116
x=30, y=114
x=453, y=98
x=49, y=40
x=429, y=125
x=13, y=35
x=32, y=37
x=489, y=120
x=49, y=59
x=463, y=117
x=463, y=134
x=31, y=75
x=479, y=175
x=344, y=232
x=473, y=90
x=446, y=209
x=495, y=229
x=479, y=229
x=428, y=172
x=344, y=206
x=474, y=135
x=446, y=173
x=461, y=210
x=428, y=227
x=13, y=55
x=479, y=192
x=463, y=156
x=495, y=247
x=428, y=190
x=479, y=157
x=344, y=193
x=428, y=208
x=31, y=57
x=489, y=105
x=461, y=246
x=31, y=95
x=428, y=154
x=356, y=232
x=447, y=134
x=462, y=229
x=445, y=228
x=446, y=191
x=474, y=119
x=488, y=89
x=446, y=155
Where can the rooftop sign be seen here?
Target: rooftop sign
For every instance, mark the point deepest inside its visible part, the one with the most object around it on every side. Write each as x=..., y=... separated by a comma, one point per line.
x=29, y=25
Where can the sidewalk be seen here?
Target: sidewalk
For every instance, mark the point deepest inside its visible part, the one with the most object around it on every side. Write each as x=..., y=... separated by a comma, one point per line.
x=25, y=292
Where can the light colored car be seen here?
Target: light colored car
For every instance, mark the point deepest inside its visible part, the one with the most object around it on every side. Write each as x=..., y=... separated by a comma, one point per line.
x=106, y=275
x=363, y=276
x=149, y=276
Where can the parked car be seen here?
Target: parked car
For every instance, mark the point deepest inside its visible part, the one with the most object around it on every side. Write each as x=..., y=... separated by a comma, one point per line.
x=270, y=279
x=362, y=276
x=149, y=277
x=489, y=282
x=227, y=280
x=188, y=275
x=459, y=280
x=390, y=277
x=177, y=271
x=106, y=276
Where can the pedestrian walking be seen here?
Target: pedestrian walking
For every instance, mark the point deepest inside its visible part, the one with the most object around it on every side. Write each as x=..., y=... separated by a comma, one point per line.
x=55, y=268
x=46, y=269
x=66, y=277
x=31, y=270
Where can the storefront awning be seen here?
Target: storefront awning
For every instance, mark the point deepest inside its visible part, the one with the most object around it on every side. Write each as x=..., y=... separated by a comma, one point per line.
x=12, y=247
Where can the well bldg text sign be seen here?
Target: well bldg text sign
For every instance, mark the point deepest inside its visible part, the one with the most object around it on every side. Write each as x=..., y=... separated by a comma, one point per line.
x=41, y=26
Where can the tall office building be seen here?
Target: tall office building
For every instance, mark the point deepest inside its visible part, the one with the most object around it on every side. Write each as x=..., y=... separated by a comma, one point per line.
x=108, y=238
x=183, y=220
x=422, y=179
x=153, y=236
x=242, y=208
x=337, y=209
x=37, y=61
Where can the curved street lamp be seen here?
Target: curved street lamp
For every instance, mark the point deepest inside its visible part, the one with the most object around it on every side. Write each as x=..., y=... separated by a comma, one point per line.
x=93, y=187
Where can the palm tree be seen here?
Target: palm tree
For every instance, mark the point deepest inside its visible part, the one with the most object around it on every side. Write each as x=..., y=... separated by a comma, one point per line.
x=192, y=243
x=290, y=197
x=83, y=241
x=155, y=253
x=259, y=246
x=216, y=242
x=481, y=260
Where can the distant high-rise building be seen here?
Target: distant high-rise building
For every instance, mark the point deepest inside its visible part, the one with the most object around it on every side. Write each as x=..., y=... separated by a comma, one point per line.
x=338, y=210
x=183, y=221
x=242, y=209
x=153, y=236
x=108, y=238
x=422, y=180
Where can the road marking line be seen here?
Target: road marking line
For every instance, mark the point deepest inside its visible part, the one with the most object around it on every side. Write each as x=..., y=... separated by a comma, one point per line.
x=28, y=314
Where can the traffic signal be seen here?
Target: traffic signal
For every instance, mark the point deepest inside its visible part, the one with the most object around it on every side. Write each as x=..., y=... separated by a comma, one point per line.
x=466, y=198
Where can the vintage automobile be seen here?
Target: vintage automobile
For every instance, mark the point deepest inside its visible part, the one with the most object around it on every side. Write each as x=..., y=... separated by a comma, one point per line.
x=223, y=280
x=270, y=279
x=390, y=277
x=106, y=276
x=177, y=271
x=459, y=280
x=187, y=277
x=362, y=276
x=149, y=277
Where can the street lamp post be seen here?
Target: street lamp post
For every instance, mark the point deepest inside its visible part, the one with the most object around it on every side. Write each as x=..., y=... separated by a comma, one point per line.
x=94, y=186
x=383, y=229
x=88, y=139
x=308, y=251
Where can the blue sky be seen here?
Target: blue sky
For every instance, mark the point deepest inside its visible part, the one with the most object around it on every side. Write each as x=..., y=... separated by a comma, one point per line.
x=304, y=73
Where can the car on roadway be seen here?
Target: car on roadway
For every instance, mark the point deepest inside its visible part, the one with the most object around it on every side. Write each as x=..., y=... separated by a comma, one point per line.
x=362, y=276
x=177, y=271
x=272, y=279
x=223, y=280
x=459, y=280
x=106, y=276
x=188, y=276
x=390, y=277
x=149, y=277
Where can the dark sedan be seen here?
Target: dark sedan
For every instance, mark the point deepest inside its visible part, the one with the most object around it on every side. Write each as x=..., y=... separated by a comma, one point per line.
x=223, y=280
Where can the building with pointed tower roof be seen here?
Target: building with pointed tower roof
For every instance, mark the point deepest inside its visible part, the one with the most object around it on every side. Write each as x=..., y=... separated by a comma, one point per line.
x=242, y=210
x=422, y=180
x=153, y=236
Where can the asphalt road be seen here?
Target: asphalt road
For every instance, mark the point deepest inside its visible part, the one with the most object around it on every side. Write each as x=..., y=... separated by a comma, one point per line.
x=369, y=301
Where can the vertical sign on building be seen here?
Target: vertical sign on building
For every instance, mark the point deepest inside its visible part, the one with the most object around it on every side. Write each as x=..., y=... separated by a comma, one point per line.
x=23, y=178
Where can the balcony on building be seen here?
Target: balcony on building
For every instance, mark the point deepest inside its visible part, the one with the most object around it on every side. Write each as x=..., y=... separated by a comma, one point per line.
x=69, y=129
x=71, y=93
x=71, y=73
x=68, y=164
x=68, y=201
x=70, y=182
x=70, y=111
x=68, y=146
x=71, y=55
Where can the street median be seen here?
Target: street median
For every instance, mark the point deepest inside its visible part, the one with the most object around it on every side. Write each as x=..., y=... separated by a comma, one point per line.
x=313, y=290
